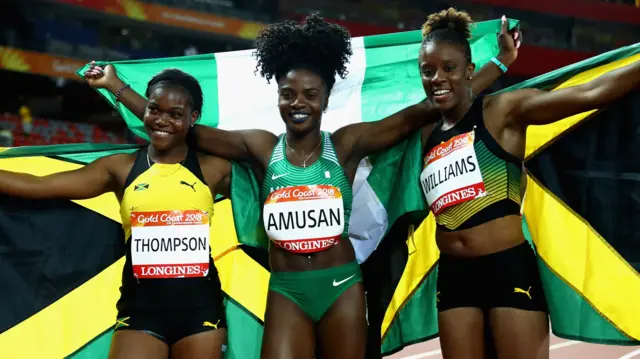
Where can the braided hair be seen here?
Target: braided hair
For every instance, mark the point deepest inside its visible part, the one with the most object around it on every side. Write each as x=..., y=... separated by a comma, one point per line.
x=315, y=45
x=450, y=26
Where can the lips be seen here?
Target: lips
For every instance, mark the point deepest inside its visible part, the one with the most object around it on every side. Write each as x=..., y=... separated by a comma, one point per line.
x=299, y=117
x=441, y=95
x=161, y=133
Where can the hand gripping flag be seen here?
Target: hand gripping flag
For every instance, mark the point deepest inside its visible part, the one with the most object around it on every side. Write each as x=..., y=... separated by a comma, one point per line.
x=65, y=257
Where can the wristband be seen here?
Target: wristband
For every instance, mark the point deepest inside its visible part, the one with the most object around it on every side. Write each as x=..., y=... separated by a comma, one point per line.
x=499, y=64
x=119, y=92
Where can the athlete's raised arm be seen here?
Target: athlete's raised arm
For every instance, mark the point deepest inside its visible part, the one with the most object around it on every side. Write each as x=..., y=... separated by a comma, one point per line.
x=245, y=145
x=534, y=107
x=89, y=181
x=359, y=140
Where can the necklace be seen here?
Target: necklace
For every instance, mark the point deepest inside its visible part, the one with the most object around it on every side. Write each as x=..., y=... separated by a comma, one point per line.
x=304, y=161
x=181, y=163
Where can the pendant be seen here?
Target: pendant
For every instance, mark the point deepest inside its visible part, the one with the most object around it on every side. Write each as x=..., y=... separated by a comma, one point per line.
x=309, y=258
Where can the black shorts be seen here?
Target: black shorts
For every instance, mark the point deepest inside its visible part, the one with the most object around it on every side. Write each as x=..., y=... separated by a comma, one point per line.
x=172, y=325
x=505, y=279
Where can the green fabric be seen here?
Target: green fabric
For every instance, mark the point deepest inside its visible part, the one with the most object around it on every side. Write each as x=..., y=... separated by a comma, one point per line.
x=551, y=79
x=417, y=321
x=314, y=291
x=392, y=79
x=203, y=67
x=98, y=348
x=77, y=152
x=243, y=325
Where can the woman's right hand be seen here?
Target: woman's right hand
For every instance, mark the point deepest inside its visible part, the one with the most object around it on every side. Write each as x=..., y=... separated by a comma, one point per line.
x=102, y=77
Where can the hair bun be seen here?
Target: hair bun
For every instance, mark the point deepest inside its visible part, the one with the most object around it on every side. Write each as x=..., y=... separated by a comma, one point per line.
x=451, y=18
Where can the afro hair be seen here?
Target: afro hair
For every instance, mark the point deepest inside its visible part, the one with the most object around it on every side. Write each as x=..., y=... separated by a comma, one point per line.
x=316, y=45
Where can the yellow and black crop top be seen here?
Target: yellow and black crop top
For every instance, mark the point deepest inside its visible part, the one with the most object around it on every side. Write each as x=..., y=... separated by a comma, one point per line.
x=468, y=179
x=166, y=212
x=159, y=187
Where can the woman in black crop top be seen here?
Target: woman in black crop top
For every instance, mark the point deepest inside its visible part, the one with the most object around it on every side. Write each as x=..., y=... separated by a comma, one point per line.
x=486, y=266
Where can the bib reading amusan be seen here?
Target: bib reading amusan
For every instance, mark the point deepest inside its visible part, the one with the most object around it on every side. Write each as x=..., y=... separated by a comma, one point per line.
x=170, y=244
x=451, y=174
x=304, y=219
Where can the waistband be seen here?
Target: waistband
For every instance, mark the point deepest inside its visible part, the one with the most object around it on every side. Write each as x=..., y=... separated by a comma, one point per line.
x=522, y=249
x=351, y=267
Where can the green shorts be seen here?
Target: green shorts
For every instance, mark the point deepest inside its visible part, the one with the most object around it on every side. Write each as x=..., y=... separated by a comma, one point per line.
x=315, y=291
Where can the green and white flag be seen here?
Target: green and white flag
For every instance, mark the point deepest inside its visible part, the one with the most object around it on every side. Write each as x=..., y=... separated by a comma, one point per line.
x=383, y=78
x=578, y=209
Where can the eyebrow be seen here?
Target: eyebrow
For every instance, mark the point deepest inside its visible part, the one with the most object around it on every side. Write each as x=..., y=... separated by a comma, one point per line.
x=180, y=107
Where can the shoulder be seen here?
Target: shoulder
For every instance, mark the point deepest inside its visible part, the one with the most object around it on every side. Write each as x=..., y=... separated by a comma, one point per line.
x=118, y=161
x=506, y=105
x=213, y=168
x=509, y=99
x=261, y=137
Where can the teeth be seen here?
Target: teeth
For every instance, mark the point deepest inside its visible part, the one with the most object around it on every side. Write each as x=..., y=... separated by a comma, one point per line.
x=162, y=133
x=299, y=116
x=441, y=92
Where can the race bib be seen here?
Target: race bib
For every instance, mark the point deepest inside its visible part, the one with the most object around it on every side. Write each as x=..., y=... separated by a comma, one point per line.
x=451, y=174
x=304, y=219
x=170, y=244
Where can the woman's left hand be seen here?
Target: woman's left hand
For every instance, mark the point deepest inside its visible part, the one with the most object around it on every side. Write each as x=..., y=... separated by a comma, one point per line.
x=509, y=42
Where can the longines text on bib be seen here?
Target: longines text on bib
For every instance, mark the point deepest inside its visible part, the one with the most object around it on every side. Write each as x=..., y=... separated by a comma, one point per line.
x=451, y=174
x=170, y=244
x=304, y=219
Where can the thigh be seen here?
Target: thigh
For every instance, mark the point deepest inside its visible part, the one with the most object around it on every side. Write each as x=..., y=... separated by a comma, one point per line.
x=288, y=331
x=520, y=334
x=462, y=333
x=342, y=331
x=205, y=345
x=135, y=344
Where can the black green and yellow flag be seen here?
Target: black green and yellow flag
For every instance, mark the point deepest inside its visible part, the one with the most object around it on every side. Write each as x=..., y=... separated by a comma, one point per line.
x=580, y=209
x=62, y=265
x=62, y=260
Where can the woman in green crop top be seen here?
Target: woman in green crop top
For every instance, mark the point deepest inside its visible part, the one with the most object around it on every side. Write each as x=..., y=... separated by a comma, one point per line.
x=471, y=180
x=315, y=288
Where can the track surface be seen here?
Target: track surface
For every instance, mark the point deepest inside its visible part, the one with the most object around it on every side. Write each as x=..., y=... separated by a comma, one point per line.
x=560, y=349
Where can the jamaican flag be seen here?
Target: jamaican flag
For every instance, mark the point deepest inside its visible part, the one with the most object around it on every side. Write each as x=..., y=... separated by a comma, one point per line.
x=62, y=263
x=62, y=260
x=580, y=207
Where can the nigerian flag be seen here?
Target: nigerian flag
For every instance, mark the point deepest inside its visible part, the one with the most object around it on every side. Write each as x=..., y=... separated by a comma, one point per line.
x=62, y=260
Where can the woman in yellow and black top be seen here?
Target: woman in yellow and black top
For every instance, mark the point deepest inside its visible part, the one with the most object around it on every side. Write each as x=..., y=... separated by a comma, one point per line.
x=171, y=301
x=471, y=181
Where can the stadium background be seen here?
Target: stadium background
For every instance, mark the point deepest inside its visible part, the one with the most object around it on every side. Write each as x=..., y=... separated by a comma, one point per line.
x=43, y=43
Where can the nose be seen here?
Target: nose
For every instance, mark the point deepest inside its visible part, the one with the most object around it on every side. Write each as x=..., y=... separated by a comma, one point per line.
x=298, y=103
x=161, y=121
x=438, y=78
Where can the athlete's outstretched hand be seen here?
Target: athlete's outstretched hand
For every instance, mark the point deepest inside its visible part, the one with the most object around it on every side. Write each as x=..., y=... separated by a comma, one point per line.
x=509, y=41
x=101, y=77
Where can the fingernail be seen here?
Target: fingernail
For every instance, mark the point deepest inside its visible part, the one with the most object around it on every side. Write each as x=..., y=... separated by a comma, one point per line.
x=516, y=36
x=504, y=18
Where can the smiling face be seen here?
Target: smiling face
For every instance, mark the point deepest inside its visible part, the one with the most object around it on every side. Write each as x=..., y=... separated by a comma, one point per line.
x=445, y=74
x=302, y=97
x=168, y=117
